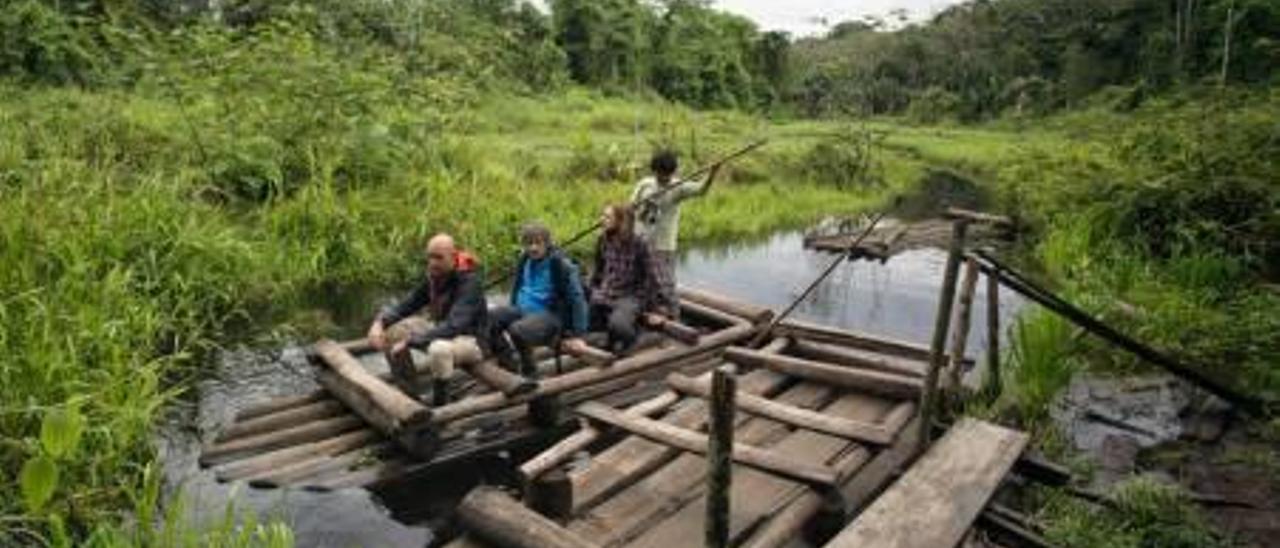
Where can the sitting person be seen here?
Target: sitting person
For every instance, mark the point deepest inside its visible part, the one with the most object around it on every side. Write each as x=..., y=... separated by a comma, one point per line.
x=455, y=331
x=547, y=302
x=624, y=284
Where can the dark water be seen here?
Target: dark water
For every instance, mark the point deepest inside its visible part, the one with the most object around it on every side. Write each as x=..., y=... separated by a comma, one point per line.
x=896, y=299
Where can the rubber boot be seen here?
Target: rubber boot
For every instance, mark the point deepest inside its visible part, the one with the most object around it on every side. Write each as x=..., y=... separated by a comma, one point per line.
x=439, y=392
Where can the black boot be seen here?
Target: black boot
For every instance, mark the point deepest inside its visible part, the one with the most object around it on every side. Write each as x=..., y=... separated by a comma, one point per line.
x=439, y=392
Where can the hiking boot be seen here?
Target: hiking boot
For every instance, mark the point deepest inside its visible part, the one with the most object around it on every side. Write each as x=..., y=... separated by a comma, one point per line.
x=439, y=392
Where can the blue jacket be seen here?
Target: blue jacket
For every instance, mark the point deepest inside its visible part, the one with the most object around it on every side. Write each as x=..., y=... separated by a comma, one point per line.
x=568, y=301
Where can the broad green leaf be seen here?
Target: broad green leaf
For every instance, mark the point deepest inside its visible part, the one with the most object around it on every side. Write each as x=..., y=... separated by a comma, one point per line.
x=38, y=480
x=60, y=431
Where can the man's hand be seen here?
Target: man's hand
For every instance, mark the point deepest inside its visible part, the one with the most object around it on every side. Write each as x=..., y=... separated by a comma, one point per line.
x=400, y=348
x=377, y=336
x=574, y=346
x=654, y=319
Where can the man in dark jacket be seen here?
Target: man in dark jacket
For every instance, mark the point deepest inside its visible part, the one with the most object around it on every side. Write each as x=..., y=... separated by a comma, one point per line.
x=624, y=284
x=456, y=328
x=547, y=302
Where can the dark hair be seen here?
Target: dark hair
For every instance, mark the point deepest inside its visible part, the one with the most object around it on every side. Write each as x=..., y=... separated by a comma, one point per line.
x=626, y=219
x=664, y=162
x=535, y=230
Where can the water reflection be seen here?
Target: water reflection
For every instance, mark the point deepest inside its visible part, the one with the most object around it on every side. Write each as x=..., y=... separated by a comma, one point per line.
x=897, y=299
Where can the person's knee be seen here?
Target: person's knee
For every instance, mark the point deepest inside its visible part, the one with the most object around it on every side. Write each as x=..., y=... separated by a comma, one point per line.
x=440, y=359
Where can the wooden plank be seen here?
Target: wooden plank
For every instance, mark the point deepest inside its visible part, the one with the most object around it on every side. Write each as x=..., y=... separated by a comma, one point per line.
x=674, y=484
x=626, y=460
x=866, y=479
x=937, y=500
x=694, y=442
x=586, y=435
x=873, y=382
x=495, y=517
x=857, y=357
x=788, y=414
x=757, y=497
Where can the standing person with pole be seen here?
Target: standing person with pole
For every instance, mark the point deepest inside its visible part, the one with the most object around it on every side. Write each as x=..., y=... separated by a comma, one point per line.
x=657, y=201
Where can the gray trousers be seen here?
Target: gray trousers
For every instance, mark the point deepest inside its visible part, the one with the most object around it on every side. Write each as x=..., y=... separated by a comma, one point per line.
x=527, y=331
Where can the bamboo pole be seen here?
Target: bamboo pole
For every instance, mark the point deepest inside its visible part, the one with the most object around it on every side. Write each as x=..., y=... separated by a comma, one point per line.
x=928, y=398
x=720, y=456
x=874, y=382
x=964, y=317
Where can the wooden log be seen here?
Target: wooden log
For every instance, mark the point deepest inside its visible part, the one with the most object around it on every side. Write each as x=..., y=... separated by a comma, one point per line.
x=586, y=435
x=873, y=382
x=681, y=332
x=493, y=375
x=496, y=518
x=856, y=357
x=285, y=418
x=754, y=314
x=757, y=496
x=865, y=479
x=305, y=473
x=280, y=404
x=844, y=337
x=1038, y=469
x=274, y=460
x=787, y=414
x=694, y=442
x=937, y=500
x=991, y=383
x=550, y=494
x=269, y=441
x=998, y=221
x=711, y=315
x=723, y=391
x=626, y=461
x=1010, y=528
x=593, y=355
x=585, y=377
x=942, y=324
x=382, y=405
x=674, y=485
x=963, y=318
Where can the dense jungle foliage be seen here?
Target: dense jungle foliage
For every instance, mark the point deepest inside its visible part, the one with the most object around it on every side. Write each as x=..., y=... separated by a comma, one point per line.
x=176, y=174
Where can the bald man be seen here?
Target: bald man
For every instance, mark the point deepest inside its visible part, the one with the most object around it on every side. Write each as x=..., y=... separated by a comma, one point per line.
x=455, y=329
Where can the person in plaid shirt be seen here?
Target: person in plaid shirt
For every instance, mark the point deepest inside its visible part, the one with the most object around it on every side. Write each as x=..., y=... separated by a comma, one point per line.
x=625, y=285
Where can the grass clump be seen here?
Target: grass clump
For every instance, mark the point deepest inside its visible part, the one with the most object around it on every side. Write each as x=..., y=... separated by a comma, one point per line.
x=1145, y=513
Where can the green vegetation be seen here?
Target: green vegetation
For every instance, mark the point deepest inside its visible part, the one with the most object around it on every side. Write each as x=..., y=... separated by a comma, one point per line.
x=1145, y=513
x=171, y=177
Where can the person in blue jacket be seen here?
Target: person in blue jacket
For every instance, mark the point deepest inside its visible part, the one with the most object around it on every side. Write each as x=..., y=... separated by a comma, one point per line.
x=547, y=306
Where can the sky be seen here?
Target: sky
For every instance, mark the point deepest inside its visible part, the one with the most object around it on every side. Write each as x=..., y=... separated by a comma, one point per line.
x=802, y=17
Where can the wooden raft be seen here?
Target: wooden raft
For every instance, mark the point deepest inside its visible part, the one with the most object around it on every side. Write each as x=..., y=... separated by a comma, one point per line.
x=825, y=419
x=359, y=431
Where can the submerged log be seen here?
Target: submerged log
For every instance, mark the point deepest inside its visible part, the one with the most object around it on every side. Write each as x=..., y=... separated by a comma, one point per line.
x=874, y=382
x=496, y=518
x=695, y=442
x=788, y=414
x=285, y=418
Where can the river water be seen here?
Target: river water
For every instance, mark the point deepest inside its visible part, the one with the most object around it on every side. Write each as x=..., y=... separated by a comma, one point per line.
x=896, y=299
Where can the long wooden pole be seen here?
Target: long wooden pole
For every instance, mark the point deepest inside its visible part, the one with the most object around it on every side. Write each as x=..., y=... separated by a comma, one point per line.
x=1025, y=287
x=929, y=396
x=578, y=236
x=720, y=456
x=964, y=317
x=763, y=334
